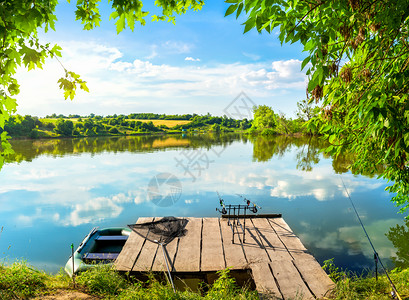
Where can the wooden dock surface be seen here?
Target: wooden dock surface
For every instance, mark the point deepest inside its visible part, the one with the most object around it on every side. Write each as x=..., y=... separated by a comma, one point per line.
x=280, y=264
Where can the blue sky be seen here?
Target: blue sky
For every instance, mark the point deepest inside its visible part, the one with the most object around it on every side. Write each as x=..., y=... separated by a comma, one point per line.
x=199, y=65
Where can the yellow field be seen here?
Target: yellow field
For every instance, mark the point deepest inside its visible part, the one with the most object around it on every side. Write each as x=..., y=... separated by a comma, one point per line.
x=169, y=142
x=54, y=120
x=169, y=123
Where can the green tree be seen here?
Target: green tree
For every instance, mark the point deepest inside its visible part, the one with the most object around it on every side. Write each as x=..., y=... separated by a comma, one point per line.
x=358, y=68
x=20, y=22
x=264, y=117
x=305, y=110
x=215, y=128
x=357, y=54
x=399, y=236
x=64, y=127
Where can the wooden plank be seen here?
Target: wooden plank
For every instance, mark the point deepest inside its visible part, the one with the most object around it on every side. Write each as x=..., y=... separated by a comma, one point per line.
x=146, y=256
x=289, y=281
x=188, y=254
x=251, y=216
x=253, y=247
x=273, y=245
x=131, y=249
x=212, y=248
x=265, y=282
x=170, y=250
x=289, y=239
x=318, y=281
x=233, y=253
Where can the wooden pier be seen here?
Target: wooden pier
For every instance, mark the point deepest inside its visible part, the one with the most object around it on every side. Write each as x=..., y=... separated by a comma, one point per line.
x=280, y=265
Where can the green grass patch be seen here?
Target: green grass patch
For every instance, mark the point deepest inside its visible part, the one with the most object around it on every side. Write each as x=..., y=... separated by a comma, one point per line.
x=22, y=281
x=106, y=282
x=351, y=286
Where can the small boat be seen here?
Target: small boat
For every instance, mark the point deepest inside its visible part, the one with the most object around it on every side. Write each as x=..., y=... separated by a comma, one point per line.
x=100, y=246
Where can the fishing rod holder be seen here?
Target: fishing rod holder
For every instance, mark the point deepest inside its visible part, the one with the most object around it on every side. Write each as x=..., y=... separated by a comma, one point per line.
x=234, y=213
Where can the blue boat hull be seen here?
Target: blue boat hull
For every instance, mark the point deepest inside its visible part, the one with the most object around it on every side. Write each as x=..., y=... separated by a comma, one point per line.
x=100, y=246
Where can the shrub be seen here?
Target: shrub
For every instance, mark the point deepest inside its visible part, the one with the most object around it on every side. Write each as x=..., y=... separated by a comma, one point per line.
x=103, y=280
x=114, y=130
x=20, y=281
x=268, y=132
x=34, y=134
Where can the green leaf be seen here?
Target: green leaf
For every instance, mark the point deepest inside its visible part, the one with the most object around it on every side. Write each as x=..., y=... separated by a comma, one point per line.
x=239, y=10
x=84, y=86
x=250, y=23
x=120, y=24
x=305, y=62
x=231, y=9
x=329, y=149
x=406, y=139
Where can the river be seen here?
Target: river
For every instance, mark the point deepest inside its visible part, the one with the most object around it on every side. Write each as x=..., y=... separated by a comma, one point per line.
x=53, y=192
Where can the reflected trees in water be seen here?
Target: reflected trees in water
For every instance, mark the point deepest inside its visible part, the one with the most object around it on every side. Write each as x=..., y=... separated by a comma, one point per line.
x=399, y=236
x=309, y=154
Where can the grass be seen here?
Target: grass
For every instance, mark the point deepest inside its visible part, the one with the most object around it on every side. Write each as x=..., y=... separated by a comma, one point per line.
x=21, y=281
x=351, y=286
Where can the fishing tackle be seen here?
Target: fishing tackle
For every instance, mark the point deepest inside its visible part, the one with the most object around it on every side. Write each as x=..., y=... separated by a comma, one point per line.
x=221, y=201
x=252, y=208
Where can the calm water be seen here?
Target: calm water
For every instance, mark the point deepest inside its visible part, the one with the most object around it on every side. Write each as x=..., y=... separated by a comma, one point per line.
x=55, y=191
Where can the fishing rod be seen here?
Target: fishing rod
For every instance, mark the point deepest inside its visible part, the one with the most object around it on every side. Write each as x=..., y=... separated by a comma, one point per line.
x=223, y=209
x=252, y=208
x=394, y=292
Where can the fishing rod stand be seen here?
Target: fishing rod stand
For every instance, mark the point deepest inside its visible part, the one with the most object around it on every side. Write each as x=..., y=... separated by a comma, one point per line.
x=233, y=213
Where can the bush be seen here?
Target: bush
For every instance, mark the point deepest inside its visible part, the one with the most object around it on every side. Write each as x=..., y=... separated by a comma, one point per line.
x=268, y=132
x=103, y=280
x=114, y=130
x=34, y=134
x=252, y=131
x=20, y=281
x=49, y=125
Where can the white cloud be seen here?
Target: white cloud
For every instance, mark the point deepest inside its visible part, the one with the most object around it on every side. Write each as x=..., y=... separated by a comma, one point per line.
x=125, y=85
x=92, y=211
x=154, y=52
x=35, y=174
x=354, y=237
x=191, y=201
x=252, y=56
x=177, y=47
x=192, y=59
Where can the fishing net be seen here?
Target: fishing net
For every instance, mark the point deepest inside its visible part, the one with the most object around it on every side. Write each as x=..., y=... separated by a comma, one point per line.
x=162, y=231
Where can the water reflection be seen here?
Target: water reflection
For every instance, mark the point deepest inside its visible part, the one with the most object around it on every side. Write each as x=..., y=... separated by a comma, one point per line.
x=399, y=236
x=27, y=150
x=62, y=188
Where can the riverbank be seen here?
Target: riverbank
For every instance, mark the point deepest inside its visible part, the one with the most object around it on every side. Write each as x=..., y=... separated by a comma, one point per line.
x=36, y=128
x=21, y=281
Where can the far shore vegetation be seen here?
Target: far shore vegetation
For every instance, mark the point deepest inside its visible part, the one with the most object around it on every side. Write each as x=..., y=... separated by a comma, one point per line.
x=266, y=122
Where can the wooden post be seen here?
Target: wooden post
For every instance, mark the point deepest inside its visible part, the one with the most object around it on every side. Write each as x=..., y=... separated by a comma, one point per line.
x=72, y=258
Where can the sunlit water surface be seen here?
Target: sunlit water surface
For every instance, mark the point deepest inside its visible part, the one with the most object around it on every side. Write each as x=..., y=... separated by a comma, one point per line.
x=55, y=191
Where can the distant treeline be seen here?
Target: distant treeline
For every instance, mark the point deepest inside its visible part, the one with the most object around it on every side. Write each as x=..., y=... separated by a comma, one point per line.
x=142, y=116
x=265, y=122
x=93, y=125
